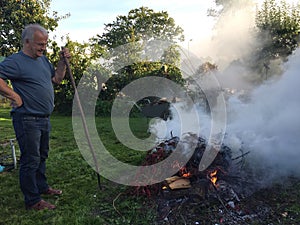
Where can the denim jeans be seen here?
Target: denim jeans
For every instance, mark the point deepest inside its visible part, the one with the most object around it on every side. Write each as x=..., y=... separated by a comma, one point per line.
x=32, y=134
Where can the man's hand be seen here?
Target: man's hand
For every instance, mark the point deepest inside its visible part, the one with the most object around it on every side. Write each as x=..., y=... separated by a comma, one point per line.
x=61, y=66
x=16, y=100
x=64, y=53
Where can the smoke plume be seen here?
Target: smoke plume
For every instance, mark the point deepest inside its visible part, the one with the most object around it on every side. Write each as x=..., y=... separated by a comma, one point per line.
x=267, y=123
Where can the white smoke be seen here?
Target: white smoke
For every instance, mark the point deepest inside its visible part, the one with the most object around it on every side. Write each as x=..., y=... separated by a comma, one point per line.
x=181, y=114
x=269, y=125
x=232, y=43
x=232, y=37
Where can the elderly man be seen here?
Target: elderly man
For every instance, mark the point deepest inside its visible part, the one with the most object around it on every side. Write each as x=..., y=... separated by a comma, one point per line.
x=32, y=99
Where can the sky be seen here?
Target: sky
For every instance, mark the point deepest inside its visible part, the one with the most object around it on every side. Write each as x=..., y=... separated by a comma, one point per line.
x=89, y=17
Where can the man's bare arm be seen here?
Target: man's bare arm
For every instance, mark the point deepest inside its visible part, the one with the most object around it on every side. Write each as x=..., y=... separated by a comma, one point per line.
x=59, y=72
x=6, y=91
x=61, y=66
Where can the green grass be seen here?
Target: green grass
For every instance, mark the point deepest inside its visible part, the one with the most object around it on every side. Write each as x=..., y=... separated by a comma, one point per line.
x=82, y=202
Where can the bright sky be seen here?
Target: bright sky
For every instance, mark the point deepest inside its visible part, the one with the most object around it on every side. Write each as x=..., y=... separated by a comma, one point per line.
x=88, y=17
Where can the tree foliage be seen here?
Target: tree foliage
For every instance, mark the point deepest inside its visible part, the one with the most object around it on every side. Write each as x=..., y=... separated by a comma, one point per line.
x=139, y=70
x=278, y=27
x=142, y=24
x=142, y=31
x=15, y=14
x=81, y=61
x=140, y=28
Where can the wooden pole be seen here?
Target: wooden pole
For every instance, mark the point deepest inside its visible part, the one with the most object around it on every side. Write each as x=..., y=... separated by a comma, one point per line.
x=86, y=131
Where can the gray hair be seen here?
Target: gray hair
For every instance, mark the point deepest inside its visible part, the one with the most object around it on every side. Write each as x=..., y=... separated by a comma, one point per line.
x=29, y=30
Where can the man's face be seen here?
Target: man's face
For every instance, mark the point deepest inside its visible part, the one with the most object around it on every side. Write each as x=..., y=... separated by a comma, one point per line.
x=37, y=46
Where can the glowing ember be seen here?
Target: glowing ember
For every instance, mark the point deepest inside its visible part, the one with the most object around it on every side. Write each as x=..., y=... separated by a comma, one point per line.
x=184, y=172
x=186, y=175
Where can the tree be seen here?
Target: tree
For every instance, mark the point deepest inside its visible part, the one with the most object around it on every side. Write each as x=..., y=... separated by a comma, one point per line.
x=15, y=14
x=142, y=24
x=139, y=70
x=140, y=27
x=278, y=27
x=81, y=61
x=129, y=37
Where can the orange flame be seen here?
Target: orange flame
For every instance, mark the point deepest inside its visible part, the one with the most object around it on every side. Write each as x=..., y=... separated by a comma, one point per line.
x=213, y=177
x=183, y=172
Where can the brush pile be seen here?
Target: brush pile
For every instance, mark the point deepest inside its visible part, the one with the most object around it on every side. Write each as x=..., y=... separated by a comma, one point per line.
x=217, y=190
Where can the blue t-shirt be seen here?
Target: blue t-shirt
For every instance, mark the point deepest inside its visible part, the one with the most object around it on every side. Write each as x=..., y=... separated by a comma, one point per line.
x=31, y=79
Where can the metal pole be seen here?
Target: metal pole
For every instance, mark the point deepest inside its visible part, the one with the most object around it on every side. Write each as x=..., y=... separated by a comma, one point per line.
x=13, y=151
x=86, y=131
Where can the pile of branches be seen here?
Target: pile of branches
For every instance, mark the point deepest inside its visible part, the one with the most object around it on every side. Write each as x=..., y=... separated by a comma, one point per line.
x=155, y=155
x=222, y=162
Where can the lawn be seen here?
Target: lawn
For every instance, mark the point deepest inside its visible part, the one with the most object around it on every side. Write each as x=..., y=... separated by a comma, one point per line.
x=82, y=201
